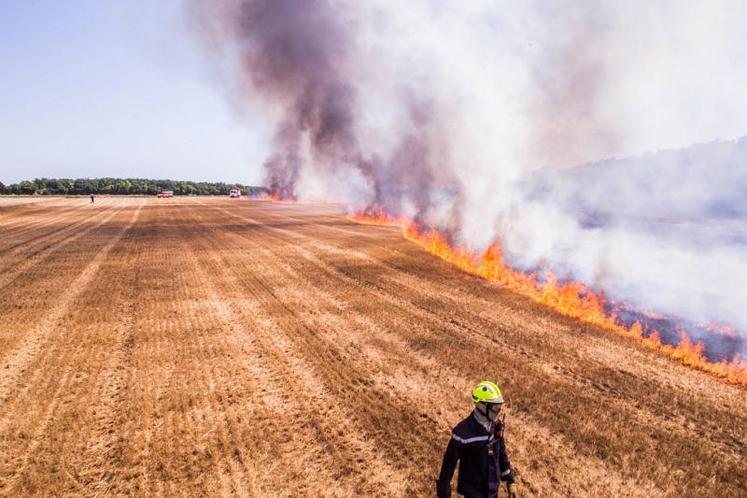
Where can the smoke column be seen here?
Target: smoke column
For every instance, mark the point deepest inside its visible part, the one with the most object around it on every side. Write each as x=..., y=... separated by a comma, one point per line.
x=599, y=139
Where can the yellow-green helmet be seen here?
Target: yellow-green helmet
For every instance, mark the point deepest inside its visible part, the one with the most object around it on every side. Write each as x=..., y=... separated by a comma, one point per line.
x=487, y=392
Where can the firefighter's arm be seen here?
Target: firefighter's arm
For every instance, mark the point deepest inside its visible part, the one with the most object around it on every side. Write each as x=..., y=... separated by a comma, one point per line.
x=451, y=457
x=507, y=473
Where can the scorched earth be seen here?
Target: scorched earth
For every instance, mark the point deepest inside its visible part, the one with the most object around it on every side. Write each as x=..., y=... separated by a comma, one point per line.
x=234, y=347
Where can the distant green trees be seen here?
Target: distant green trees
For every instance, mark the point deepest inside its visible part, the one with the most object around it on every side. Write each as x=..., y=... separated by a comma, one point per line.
x=25, y=188
x=122, y=186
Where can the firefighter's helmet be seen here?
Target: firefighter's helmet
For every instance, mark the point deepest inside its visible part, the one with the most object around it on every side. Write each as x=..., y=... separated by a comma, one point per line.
x=487, y=392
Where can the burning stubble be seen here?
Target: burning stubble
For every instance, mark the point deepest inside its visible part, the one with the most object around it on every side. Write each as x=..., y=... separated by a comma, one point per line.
x=470, y=117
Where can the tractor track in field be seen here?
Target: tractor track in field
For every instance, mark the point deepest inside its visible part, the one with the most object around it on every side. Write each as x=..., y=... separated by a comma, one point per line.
x=342, y=443
x=16, y=361
x=25, y=370
x=210, y=347
x=42, y=251
x=23, y=214
x=62, y=223
x=47, y=224
x=102, y=456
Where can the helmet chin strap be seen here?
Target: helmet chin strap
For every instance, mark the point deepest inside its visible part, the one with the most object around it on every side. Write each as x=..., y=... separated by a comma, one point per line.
x=494, y=414
x=487, y=412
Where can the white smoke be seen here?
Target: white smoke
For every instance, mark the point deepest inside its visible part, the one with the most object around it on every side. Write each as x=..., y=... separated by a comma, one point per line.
x=473, y=114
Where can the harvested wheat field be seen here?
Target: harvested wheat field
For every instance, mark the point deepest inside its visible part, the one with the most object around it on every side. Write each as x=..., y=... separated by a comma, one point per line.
x=202, y=347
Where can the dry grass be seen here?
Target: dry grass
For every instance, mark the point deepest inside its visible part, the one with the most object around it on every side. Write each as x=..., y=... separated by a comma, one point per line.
x=216, y=347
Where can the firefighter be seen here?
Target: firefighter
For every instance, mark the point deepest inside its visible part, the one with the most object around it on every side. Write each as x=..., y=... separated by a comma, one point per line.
x=477, y=445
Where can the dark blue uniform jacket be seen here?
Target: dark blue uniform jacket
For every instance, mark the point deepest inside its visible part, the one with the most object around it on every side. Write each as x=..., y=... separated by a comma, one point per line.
x=482, y=458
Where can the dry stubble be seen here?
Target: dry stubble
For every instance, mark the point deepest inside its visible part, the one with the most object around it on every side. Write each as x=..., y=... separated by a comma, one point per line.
x=216, y=347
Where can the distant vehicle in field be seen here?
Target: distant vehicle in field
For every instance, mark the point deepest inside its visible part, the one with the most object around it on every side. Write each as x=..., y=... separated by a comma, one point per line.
x=234, y=193
x=166, y=193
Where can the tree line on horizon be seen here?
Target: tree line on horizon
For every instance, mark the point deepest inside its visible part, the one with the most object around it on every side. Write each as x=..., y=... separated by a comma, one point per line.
x=122, y=186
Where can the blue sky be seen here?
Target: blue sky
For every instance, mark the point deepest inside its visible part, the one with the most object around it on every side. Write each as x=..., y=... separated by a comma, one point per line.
x=115, y=88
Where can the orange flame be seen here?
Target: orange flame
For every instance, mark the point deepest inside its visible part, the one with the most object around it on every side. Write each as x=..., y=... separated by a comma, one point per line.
x=572, y=299
x=274, y=198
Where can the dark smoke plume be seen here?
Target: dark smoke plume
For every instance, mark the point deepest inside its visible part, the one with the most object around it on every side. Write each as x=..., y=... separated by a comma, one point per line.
x=474, y=117
x=296, y=55
x=302, y=58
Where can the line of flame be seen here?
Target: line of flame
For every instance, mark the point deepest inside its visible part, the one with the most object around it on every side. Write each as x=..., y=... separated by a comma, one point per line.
x=274, y=198
x=570, y=299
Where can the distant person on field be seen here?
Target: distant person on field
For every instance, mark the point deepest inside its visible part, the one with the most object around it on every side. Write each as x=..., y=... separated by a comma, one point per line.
x=92, y=199
x=477, y=445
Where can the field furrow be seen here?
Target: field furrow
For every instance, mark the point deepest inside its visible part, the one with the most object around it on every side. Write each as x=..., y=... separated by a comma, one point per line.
x=48, y=375
x=19, y=263
x=325, y=419
x=16, y=360
x=43, y=224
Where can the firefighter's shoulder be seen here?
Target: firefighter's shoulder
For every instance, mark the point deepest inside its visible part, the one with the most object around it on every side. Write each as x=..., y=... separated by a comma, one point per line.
x=469, y=431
